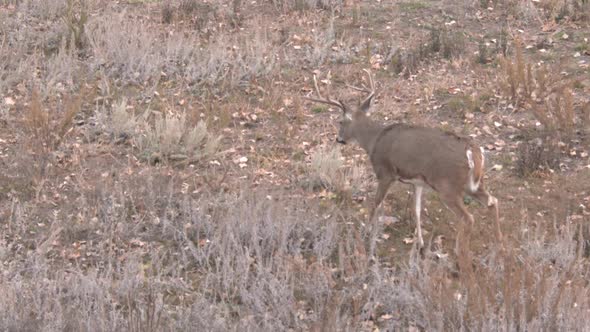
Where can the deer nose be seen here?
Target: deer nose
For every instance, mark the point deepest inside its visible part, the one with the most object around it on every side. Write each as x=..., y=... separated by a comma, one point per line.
x=340, y=140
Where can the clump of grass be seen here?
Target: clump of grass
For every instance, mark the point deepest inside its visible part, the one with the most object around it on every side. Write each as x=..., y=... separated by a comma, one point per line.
x=355, y=178
x=173, y=138
x=411, y=6
x=46, y=132
x=537, y=157
x=37, y=119
x=557, y=112
x=559, y=10
x=459, y=104
x=123, y=124
x=482, y=53
x=518, y=82
x=440, y=42
x=167, y=13
x=321, y=46
x=75, y=18
x=325, y=168
x=586, y=116
x=539, y=89
x=286, y=6
x=319, y=109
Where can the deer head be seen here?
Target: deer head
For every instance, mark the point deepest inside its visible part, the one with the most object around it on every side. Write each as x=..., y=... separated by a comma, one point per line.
x=354, y=122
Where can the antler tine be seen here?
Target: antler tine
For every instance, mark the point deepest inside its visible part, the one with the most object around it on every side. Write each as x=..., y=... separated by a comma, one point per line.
x=363, y=89
x=371, y=82
x=371, y=91
x=315, y=85
x=322, y=99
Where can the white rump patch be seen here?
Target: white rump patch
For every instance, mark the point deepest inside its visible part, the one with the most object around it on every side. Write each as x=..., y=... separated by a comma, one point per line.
x=470, y=159
x=483, y=156
x=472, y=184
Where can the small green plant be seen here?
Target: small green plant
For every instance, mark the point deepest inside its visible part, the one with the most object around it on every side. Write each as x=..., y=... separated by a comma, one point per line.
x=412, y=6
x=461, y=104
x=319, y=109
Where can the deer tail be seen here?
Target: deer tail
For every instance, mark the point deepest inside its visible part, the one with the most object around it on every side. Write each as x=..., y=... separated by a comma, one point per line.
x=475, y=161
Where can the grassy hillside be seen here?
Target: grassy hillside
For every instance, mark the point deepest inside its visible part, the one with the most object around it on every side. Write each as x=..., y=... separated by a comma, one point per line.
x=161, y=170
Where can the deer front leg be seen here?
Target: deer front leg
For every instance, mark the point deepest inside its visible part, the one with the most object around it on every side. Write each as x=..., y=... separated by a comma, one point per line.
x=382, y=188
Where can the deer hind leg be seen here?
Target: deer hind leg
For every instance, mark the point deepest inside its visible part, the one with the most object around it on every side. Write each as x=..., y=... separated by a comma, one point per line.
x=455, y=203
x=484, y=197
x=417, y=210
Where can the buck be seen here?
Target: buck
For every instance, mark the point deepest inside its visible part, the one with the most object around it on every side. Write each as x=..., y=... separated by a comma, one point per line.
x=424, y=157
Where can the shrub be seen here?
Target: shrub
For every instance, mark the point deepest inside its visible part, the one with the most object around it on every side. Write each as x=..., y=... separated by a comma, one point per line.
x=539, y=89
x=172, y=138
x=122, y=124
x=536, y=157
x=325, y=168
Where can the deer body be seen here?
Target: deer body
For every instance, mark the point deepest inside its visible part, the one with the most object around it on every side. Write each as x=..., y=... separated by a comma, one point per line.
x=424, y=157
x=419, y=155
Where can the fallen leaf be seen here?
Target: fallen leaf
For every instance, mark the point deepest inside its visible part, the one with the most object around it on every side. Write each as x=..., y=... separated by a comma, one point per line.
x=241, y=160
x=9, y=101
x=408, y=240
x=385, y=317
x=388, y=220
x=137, y=243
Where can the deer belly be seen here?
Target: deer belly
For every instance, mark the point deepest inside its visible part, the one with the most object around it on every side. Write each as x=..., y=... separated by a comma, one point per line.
x=414, y=181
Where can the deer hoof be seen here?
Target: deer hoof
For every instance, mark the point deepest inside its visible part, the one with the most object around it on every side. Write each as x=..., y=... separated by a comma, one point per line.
x=492, y=201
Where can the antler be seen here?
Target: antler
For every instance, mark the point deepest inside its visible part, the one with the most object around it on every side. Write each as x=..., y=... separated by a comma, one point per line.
x=322, y=99
x=370, y=90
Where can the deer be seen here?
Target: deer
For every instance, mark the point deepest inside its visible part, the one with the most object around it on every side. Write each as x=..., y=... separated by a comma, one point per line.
x=424, y=157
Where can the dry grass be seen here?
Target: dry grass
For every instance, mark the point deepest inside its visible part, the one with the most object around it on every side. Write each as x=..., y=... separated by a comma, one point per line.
x=540, y=89
x=47, y=132
x=249, y=262
x=173, y=138
x=538, y=157
x=441, y=42
x=325, y=168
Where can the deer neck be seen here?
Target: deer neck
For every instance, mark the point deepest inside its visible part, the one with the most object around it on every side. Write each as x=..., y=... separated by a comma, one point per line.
x=367, y=133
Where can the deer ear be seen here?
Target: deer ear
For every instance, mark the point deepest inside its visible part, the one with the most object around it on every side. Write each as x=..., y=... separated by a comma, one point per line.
x=345, y=111
x=366, y=104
